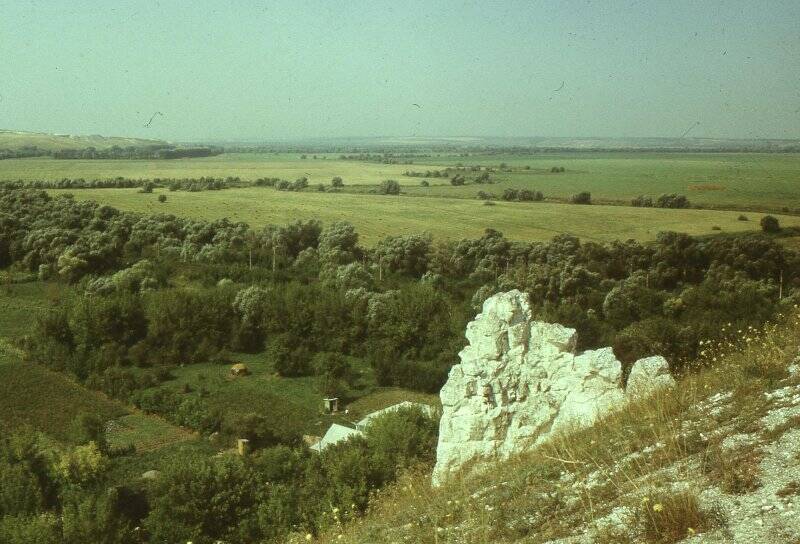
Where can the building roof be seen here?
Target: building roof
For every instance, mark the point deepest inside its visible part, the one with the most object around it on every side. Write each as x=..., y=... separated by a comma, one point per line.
x=426, y=409
x=336, y=433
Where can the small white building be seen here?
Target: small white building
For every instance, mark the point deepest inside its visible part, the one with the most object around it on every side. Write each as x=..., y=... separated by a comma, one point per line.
x=364, y=423
x=336, y=433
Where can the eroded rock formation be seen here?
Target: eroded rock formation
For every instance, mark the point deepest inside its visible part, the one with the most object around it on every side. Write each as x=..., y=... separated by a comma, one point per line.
x=520, y=381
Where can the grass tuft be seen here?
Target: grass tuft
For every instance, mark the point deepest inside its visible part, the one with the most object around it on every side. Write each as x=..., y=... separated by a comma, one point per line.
x=672, y=517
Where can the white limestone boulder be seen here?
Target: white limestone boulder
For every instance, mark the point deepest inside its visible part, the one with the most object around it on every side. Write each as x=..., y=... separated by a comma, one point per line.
x=648, y=376
x=519, y=382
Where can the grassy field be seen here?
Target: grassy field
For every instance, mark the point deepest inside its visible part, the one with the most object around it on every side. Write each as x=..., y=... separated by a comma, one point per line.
x=20, y=303
x=724, y=179
x=31, y=396
x=146, y=433
x=291, y=403
x=377, y=216
x=248, y=166
x=732, y=180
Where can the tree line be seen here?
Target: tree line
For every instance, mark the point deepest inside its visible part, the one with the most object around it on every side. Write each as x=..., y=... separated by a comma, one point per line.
x=407, y=298
x=149, y=152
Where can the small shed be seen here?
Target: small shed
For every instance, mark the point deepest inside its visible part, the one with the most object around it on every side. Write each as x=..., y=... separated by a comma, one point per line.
x=331, y=405
x=240, y=369
x=336, y=433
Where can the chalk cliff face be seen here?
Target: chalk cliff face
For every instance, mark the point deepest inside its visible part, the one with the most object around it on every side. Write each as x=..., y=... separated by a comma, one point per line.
x=520, y=381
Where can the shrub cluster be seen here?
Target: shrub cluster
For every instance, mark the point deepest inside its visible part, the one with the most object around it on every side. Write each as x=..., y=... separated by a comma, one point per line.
x=523, y=195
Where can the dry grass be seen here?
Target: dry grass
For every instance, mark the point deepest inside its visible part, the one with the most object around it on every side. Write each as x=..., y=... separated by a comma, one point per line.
x=789, y=490
x=734, y=470
x=672, y=517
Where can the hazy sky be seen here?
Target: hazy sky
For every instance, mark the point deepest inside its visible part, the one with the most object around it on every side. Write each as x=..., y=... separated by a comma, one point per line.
x=266, y=69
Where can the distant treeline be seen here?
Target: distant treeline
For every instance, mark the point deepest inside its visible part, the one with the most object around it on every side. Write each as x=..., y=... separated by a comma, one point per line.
x=131, y=152
x=115, y=152
x=205, y=183
x=22, y=152
x=397, y=154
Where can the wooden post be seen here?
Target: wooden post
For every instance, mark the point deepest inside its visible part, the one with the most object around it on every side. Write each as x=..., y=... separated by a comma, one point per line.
x=274, y=257
x=780, y=287
x=243, y=446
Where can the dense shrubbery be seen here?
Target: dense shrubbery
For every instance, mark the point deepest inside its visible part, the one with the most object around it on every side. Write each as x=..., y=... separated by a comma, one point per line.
x=770, y=224
x=389, y=187
x=53, y=494
x=672, y=201
x=402, y=305
x=523, y=195
x=584, y=197
x=664, y=201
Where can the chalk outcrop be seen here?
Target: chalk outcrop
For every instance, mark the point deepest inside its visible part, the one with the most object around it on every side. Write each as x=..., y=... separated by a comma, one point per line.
x=520, y=381
x=648, y=376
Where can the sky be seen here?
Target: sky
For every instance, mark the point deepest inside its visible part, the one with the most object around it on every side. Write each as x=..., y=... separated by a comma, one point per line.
x=266, y=70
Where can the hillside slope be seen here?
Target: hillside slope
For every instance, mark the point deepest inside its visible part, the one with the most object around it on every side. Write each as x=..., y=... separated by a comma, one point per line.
x=14, y=140
x=715, y=460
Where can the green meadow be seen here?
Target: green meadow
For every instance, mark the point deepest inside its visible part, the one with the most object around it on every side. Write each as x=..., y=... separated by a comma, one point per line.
x=746, y=180
x=248, y=166
x=759, y=181
x=378, y=216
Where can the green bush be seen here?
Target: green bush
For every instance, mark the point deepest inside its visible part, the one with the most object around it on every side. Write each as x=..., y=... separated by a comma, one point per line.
x=770, y=224
x=584, y=197
x=389, y=187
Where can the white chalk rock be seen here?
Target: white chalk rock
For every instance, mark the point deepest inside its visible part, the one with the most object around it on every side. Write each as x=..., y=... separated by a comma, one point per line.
x=647, y=376
x=520, y=382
